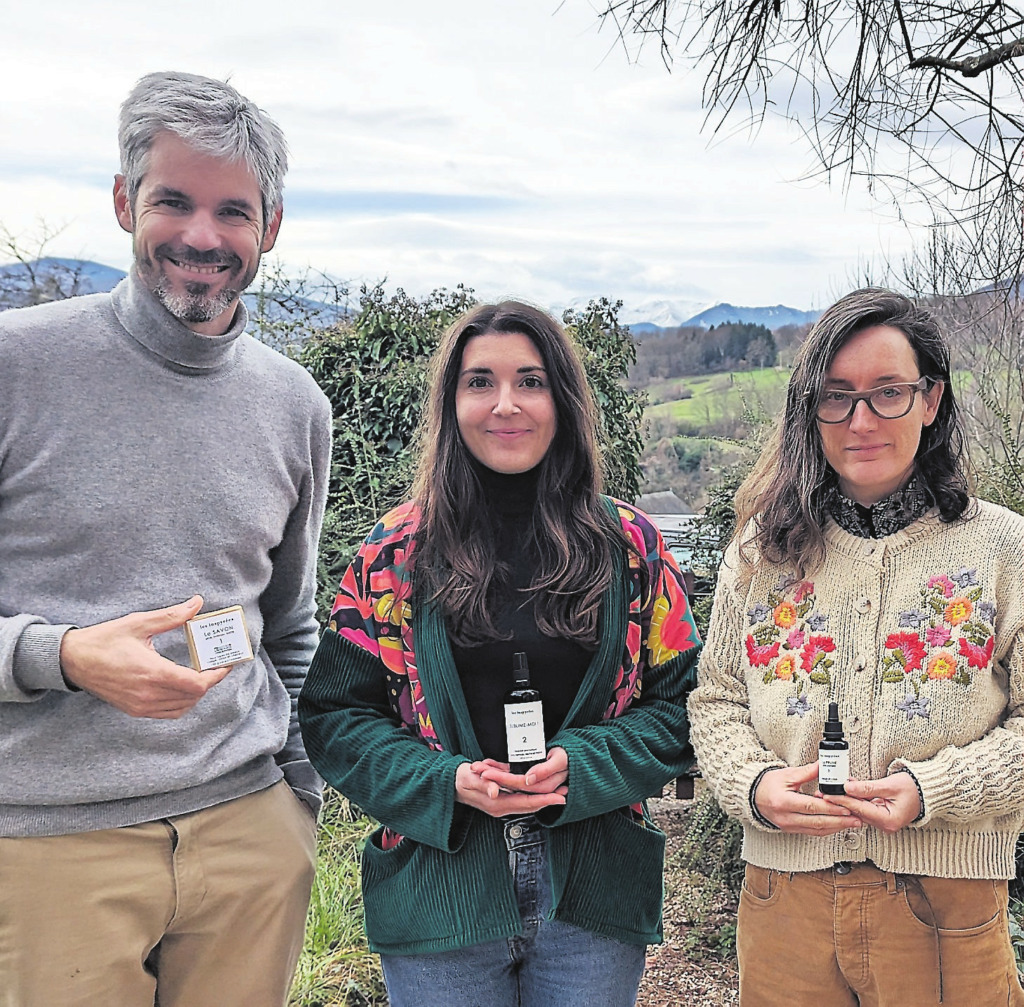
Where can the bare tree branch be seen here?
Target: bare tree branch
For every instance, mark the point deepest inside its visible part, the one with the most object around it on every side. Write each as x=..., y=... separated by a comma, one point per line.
x=973, y=66
x=913, y=96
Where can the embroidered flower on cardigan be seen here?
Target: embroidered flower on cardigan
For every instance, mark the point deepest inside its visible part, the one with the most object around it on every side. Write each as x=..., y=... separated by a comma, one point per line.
x=758, y=614
x=788, y=641
x=913, y=618
x=797, y=705
x=915, y=706
x=964, y=578
x=761, y=655
x=907, y=651
x=955, y=634
x=785, y=667
x=977, y=657
x=804, y=588
x=784, y=614
x=942, y=665
x=813, y=659
x=958, y=610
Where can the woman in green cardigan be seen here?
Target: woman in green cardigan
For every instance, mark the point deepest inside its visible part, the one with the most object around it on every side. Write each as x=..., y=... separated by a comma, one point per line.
x=489, y=883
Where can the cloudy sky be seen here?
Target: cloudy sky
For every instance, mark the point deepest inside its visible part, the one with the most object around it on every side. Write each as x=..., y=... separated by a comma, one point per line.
x=510, y=145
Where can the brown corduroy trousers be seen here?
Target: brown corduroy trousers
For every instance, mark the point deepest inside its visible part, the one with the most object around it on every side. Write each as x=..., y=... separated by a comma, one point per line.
x=857, y=935
x=199, y=910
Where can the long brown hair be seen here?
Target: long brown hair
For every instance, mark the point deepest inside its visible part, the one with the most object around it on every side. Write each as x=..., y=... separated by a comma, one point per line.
x=572, y=529
x=781, y=506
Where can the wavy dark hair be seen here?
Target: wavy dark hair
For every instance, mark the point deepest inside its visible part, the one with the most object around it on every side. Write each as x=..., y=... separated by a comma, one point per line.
x=781, y=506
x=573, y=531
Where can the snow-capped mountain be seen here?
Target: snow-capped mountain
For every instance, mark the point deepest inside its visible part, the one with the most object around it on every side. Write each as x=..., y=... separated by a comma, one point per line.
x=662, y=314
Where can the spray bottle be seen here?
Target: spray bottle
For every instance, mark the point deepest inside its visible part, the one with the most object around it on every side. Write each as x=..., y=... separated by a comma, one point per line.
x=524, y=719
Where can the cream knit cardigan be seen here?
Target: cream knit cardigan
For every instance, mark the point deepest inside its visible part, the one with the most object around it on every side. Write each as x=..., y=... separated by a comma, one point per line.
x=919, y=637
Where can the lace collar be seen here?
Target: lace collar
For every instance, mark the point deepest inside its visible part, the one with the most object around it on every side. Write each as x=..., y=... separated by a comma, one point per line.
x=886, y=516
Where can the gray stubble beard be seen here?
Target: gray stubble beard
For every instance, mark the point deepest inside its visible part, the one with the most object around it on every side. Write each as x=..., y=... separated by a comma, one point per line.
x=195, y=304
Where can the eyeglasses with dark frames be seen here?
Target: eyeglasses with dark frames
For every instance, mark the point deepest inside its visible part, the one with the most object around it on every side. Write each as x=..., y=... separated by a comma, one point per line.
x=887, y=402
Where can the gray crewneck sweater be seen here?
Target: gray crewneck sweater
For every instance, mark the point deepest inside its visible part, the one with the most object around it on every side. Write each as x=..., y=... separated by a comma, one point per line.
x=142, y=463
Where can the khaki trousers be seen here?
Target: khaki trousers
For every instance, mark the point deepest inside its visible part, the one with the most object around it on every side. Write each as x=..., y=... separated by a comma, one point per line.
x=833, y=939
x=200, y=910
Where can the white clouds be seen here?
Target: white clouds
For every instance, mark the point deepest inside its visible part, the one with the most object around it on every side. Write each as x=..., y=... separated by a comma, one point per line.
x=505, y=144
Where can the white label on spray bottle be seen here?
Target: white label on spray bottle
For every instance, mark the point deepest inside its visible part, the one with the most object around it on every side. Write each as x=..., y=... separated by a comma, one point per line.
x=524, y=731
x=833, y=767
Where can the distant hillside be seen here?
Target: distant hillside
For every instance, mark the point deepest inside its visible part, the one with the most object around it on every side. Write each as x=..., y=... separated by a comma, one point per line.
x=52, y=278
x=770, y=318
x=720, y=314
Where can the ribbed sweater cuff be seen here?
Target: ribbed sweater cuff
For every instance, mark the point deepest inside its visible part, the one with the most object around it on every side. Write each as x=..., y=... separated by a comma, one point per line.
x=37, y=658
x=937, y=785
x=737, y=797
x=754, y=810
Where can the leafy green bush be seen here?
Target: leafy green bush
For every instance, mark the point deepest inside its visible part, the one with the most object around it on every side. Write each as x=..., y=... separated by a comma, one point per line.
x=689, y=452
x=608, y=352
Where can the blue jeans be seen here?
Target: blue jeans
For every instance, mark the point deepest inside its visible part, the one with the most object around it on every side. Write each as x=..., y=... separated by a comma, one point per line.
x=551, y=964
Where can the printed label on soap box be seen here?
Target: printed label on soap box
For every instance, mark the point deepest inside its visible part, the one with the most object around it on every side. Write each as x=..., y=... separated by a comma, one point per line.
x=216, y=639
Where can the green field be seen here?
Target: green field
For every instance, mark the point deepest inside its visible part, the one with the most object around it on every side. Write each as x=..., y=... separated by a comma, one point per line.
x=717, y=397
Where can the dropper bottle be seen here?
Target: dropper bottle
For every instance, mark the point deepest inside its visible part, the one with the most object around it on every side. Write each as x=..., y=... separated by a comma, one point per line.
x=833, y=755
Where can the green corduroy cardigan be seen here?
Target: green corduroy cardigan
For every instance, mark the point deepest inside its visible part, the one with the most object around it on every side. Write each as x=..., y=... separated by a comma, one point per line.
x=447, y=883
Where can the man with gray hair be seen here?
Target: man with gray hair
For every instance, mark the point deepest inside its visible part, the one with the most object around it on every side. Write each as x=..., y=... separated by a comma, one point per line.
x=157, y=815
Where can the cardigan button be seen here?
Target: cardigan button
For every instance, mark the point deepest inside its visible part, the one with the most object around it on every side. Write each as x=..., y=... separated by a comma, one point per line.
x=864, y=605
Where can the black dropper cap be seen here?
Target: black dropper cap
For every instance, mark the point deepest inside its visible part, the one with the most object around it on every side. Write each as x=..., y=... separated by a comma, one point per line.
x=833, y=726
x=520, y=668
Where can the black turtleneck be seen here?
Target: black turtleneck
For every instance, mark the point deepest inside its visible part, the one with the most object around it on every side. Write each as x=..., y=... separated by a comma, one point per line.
x=557, y=666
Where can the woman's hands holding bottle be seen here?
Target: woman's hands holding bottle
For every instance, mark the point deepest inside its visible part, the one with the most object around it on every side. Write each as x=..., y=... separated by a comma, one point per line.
x=779, y=799
x=887, y=804
x=489, y=787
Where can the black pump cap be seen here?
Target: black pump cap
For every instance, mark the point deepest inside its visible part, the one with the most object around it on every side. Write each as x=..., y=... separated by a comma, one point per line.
x=520, y=668
x=833, y=726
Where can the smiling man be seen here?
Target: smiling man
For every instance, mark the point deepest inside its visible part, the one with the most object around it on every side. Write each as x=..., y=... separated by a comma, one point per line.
x=198, y=230
x=157, y=823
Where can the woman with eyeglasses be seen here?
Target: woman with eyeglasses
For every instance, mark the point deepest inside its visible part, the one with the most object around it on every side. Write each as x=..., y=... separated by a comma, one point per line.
x=862, y=573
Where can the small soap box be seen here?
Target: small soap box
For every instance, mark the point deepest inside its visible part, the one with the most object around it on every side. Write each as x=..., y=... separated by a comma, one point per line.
x=216, y=639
